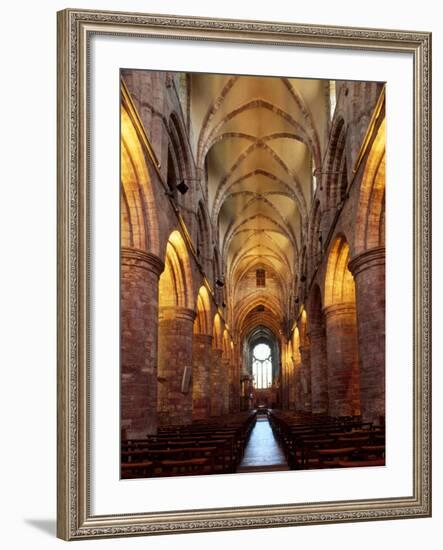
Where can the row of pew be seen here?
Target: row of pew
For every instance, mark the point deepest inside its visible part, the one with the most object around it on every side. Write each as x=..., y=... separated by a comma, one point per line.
x=318, y=441
x=214, y=446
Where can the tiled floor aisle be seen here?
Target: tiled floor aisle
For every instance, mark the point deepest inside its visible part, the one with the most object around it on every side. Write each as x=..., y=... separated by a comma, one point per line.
x=262, y=452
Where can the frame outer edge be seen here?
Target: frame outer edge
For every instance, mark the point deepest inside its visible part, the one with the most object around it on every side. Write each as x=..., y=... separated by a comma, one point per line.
x=422, y=274
x=63, y=300
x=426, y=163
x=429, y=144
x=72, y=514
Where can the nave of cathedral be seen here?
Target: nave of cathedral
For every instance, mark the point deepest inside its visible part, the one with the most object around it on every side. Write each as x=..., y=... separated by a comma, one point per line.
x=252, y=273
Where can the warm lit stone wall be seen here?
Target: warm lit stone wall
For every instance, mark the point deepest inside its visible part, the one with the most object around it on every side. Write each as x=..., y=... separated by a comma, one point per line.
x=369, y=273
x=201, y=376
x=139, y=321
x=343, y=363
x=337, y=364
x=216, y=382
x=175, y=337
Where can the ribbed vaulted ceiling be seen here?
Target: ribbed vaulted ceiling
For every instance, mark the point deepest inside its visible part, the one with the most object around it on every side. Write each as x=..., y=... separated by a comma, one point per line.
x=258, y=140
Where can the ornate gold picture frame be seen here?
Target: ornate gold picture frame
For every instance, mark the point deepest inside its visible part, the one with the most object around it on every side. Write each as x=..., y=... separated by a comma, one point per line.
x=76, y=518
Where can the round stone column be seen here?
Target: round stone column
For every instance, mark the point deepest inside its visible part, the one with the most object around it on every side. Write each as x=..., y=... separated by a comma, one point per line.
x=298, y=390
x=224, y=385
x=174, y=356
x=216, y=401
x=201, y=376
x=140, y=273
x=285, y=383
x=368, y=270
x=305, y=379
x=319, y=371
x=343, y=364
x=292, y=390
x=234, y=390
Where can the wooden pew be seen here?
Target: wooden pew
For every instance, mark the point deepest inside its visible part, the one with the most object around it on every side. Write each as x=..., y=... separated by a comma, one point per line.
x=220, y=443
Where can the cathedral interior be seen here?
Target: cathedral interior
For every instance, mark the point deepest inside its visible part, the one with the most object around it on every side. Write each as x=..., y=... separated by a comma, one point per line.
x=252, y=273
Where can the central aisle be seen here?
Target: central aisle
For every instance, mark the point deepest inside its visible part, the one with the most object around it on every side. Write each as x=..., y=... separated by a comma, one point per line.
x=263, y=452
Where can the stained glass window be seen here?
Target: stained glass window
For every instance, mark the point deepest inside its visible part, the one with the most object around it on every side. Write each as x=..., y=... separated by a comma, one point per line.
x=262, y=366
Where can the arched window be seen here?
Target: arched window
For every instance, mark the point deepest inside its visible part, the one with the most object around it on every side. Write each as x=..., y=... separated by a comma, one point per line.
x=260, y=275
x=172, y=179
x=262, y=366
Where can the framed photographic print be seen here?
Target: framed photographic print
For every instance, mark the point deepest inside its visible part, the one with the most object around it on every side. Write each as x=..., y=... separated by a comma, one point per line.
x=244, y=274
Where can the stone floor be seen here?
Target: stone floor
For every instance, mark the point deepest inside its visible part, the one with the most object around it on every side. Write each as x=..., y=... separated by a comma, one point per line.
x=263, y=452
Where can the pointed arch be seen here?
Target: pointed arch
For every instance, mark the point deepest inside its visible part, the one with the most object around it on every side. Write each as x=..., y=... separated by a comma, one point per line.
x=180, y=165
x=175, y=284
x=203, y=236
x=370, y=218
x=202, y=323
x=139, y=222
x=339, y=282
x=315, y=238
x=217, y=273
x=335, y=170
x=217, y=334
x=212, y=110
x=303, y=328
x=342, y=333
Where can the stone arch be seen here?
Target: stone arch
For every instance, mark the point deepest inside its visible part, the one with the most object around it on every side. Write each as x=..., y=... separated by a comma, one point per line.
x=368, y=268
x=335, y=171
x=179, y=163
x=295, y=344
x=217, y=333
x=315, y=237
x=341, y=333
x=139, y=222
x=339, y=282
x=175, y=334
x=260, y=331
x=202, y=323
x=203, y=236
x=270, y=310
x=263, y=104
x=175, y=285
x=303, y=327
x=217, y=275
x=212, y=110
x=296, y=191
x=370, y=218
x=303, y=273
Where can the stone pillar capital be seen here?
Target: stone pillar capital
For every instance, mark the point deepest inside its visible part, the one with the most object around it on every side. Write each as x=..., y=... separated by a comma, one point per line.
x=335, y=310
x=368, y=259
x=316, y=333
x=177, y=313
x=134, y=257
x=203, y=338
